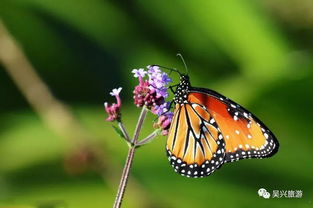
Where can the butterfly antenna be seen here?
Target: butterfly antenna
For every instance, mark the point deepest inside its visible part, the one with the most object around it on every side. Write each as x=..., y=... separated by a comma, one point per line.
x=171, y=69
x=183, y=60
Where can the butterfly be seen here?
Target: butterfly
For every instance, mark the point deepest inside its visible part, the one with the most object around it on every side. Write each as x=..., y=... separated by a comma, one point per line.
x=208, y=130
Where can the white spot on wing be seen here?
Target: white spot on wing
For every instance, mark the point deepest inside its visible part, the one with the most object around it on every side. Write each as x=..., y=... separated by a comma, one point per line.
x=232, y=105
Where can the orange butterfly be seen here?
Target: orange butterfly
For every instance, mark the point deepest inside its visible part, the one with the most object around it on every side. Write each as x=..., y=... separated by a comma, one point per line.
x=209, y=130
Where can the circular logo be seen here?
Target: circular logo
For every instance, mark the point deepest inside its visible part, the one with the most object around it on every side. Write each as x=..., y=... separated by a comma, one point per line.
x=263, y=193
x=266, y=195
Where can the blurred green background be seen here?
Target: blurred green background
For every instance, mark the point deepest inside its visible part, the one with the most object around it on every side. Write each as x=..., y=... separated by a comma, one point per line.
x=258, y=53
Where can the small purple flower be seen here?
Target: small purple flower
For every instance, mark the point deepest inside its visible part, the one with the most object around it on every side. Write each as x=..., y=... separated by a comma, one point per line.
x=114, y=109
x=152, y=69
x=155, y=79
x=139, y=72
x=161, y=109
x=162, y=92
x=164, y=122
x=158, y=81
x=166, y=79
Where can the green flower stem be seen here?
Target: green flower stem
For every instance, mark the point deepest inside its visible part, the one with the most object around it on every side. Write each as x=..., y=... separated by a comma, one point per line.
x=149, y=138
x=123, y=129
x=141, y=119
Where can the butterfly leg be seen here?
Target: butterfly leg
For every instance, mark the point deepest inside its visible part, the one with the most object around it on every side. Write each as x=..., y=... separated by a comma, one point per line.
x=170, y=106
x=171, y=88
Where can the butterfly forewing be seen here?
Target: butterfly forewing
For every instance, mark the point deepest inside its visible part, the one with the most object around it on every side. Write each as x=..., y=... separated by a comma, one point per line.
x=244, y=134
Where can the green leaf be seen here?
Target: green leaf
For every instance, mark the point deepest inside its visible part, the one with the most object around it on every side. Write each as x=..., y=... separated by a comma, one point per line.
x=118, y=131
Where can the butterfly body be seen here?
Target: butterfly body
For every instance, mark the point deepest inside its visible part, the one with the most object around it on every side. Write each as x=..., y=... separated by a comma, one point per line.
x=209, y=130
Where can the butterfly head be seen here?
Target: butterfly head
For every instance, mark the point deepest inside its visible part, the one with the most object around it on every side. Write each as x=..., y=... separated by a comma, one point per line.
x=182, y=90
x=184, y=78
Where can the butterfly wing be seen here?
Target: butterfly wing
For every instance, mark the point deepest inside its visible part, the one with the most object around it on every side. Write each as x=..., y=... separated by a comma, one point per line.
x=195, y=146
x=244, y=134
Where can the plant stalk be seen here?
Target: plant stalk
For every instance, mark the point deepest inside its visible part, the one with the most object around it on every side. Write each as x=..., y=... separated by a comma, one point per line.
x=141, y=119
x=148, y=138
x=129, y=159
x=124, y=178
x=123, y=129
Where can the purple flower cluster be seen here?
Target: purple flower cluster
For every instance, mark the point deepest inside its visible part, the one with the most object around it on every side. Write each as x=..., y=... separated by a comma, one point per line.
x=152, y=93
x=143, y=95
